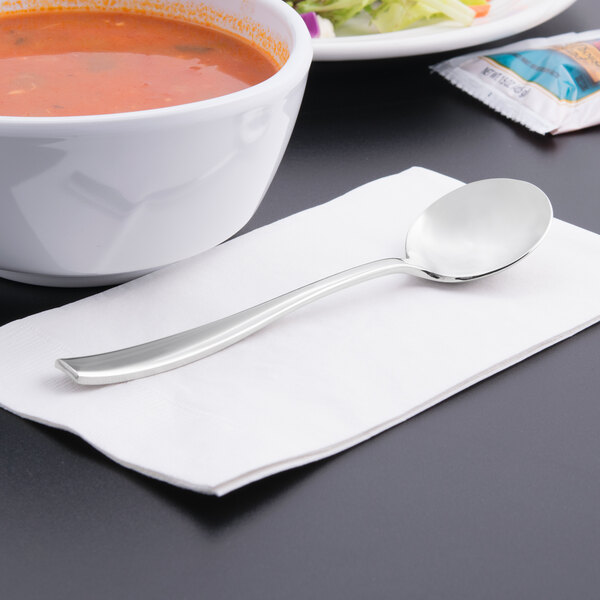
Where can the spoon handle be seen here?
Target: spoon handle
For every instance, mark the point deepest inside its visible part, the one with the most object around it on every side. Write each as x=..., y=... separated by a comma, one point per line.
x=188, y=346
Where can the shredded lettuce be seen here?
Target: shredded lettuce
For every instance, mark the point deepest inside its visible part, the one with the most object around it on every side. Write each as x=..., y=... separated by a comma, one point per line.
x=391, y=15
x=337, y=11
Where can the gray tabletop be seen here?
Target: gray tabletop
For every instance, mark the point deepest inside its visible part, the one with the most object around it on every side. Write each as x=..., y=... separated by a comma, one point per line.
x=492, y=494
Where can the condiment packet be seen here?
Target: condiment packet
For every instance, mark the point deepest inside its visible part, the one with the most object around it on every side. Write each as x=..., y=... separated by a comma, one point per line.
x=550, y=85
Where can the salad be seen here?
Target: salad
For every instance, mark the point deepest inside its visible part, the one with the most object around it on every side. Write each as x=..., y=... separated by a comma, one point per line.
x=325, y=17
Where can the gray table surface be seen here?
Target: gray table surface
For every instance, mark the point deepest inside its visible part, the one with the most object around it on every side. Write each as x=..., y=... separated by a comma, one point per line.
x=492, y=494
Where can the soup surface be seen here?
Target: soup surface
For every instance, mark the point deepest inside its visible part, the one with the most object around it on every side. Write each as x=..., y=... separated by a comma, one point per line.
x=82, y=63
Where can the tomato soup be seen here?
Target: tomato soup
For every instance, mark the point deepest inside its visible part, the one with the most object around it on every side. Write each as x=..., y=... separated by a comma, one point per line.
x=68, y=63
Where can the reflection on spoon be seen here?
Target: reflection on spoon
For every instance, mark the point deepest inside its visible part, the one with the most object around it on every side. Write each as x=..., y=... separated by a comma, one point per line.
x=476, y=230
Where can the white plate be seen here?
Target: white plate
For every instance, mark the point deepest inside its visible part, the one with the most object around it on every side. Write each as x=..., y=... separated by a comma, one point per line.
x=506, y=17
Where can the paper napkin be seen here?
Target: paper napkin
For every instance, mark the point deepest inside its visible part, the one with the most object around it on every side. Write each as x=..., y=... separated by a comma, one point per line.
x=327, y=377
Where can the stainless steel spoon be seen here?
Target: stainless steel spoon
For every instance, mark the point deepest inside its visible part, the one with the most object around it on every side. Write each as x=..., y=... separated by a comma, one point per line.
x=475, y=231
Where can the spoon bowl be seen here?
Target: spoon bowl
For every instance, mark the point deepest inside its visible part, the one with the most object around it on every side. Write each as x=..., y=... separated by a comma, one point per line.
x=476, y=230
x=479, y=229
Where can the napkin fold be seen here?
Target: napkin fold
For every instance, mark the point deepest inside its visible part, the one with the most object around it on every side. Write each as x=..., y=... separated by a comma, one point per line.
x=327, y=377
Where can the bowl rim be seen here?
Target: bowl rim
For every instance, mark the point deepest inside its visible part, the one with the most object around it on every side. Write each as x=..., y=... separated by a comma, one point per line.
x=292, y=71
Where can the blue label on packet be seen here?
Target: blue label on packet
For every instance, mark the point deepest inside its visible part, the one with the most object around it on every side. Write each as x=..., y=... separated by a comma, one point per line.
x=569, y=72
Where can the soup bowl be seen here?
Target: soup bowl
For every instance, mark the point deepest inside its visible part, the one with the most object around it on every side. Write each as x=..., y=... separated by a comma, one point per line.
x=102, y=199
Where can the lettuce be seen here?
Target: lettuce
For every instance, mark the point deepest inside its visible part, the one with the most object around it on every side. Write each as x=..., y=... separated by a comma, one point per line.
x=337, y=11
x=390, y=15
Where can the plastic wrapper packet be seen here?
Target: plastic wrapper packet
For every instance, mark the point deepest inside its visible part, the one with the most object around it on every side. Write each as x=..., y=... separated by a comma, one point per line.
x=550, y=85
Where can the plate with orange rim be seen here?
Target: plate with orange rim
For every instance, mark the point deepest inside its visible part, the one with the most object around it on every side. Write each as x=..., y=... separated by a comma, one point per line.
x=506, y=18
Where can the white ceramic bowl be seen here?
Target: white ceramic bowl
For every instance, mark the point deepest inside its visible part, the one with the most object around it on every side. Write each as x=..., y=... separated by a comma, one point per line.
x=101, y=199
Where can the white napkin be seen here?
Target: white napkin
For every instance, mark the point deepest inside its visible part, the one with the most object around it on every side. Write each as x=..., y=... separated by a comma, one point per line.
x=322, y=379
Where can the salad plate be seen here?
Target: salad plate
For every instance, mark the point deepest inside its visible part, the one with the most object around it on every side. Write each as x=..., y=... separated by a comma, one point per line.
x=506, y=18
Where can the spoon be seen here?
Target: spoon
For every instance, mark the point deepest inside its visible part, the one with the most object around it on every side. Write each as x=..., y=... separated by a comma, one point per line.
x=472, y=232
